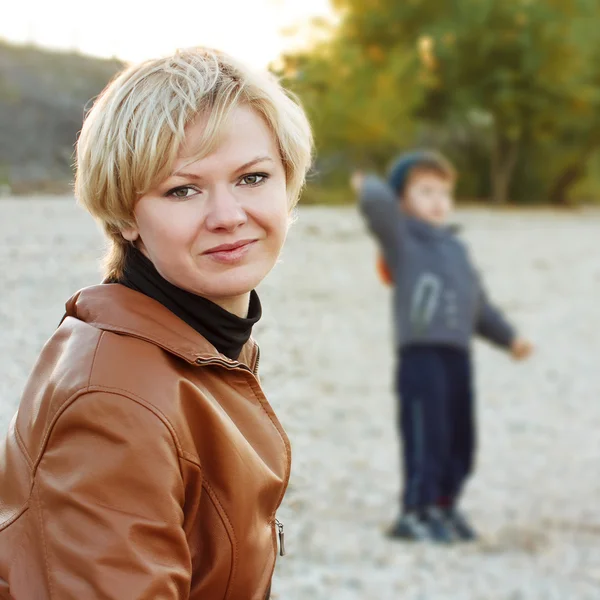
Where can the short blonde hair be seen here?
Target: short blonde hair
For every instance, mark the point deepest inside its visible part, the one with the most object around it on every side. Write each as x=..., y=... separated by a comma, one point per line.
x=131, y=136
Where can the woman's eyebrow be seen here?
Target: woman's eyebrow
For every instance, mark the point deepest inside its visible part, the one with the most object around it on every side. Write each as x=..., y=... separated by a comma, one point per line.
x=253, y=162
x=184, y=175
x=250, y=163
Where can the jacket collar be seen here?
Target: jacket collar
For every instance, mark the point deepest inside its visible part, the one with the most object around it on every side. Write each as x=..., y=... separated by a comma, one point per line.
x=116, y=308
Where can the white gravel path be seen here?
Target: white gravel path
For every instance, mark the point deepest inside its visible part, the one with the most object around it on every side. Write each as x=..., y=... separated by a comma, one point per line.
x=326, y=365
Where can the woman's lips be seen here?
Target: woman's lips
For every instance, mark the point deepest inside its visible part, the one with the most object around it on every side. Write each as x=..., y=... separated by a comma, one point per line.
x=230, y=253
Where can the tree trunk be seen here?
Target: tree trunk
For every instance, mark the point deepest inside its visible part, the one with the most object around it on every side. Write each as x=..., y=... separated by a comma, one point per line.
x=559, y=191
x=568, y=177
x=503, y=162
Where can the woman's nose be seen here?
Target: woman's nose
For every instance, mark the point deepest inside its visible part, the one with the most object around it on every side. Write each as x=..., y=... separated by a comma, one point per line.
x=225, y=211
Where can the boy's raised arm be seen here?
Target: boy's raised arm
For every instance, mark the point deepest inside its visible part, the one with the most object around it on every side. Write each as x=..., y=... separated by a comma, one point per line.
x=380, y=209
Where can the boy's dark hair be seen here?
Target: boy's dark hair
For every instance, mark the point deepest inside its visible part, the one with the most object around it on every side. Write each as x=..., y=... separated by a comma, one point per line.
x=421, y=160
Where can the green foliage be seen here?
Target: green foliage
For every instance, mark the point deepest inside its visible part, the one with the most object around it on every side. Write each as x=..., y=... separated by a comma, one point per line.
x=357, y=98
x=509, y=88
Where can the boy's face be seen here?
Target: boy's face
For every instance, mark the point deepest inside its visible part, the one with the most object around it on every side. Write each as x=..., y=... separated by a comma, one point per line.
x=428, y=196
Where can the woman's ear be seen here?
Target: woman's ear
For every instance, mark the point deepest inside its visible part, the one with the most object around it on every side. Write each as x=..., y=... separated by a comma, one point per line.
x=131, y=234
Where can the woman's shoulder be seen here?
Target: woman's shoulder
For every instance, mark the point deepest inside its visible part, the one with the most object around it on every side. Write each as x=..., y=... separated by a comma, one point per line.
x=83, y=356
x=139, y=369
x=83, y=371
x=115, y=341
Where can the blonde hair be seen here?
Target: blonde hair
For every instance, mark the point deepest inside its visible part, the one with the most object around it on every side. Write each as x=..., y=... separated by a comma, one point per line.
x=131, y=136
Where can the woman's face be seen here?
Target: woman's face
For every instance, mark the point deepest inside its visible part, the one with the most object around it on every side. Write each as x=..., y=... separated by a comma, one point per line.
x=216, y=226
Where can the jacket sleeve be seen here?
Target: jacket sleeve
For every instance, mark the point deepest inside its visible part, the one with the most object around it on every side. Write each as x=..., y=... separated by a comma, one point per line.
x=382, y=213
x=491, y=323
x=109, y=495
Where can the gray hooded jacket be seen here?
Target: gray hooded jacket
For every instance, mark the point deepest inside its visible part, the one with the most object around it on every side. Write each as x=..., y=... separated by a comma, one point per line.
x=439, y=298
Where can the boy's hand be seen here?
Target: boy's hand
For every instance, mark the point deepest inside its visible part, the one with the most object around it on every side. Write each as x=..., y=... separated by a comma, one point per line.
x=356, y=181
x=521, y=349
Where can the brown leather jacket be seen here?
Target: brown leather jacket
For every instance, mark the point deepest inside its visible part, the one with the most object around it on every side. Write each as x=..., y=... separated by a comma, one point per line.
x=142, y=464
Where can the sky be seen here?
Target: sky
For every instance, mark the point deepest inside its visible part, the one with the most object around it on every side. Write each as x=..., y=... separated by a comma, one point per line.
x=252, y=30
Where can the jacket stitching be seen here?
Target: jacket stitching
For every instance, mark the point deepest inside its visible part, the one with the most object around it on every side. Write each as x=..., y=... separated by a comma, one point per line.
x=21, y=542
x=62, y=406
x=258, y=394
x=23, y=448
x=229, y=528
x=25, y=506
x=264, y=403
x=135, y=398
x=270, y=566
x=191, y=458
x=94, y=358
x=166, y=422
x=182, y=352
x=16, y=516
x=185, y=353
x=285, y=442
x=90, y=389
x=58, y=413
x=157, y=412
x=41, y=524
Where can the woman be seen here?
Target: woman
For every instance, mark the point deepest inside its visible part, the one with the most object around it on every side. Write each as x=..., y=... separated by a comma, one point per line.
x=144, y=461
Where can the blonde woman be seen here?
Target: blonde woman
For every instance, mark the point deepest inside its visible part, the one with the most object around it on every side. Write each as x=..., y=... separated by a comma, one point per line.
x=145, y=461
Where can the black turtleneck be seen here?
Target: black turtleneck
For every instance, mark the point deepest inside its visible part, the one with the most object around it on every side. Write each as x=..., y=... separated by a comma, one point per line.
x=225, y=331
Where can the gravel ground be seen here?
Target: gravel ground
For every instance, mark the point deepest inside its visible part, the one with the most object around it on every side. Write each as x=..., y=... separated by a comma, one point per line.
x=326, y=365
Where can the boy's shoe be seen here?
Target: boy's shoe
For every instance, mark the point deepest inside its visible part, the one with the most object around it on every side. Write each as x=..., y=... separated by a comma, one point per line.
x=409, y=527
x=459, y=524
x=440, y=530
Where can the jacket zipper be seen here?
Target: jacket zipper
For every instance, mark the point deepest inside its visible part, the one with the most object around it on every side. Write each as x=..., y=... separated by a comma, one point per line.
x=238, y=365
x=281, y=534
x=228, y=364
x=257, y=360
x=231, y=364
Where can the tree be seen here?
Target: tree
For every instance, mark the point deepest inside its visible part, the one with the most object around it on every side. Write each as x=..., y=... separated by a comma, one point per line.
x=522, y=63
x=360, y=99
x=515, y=77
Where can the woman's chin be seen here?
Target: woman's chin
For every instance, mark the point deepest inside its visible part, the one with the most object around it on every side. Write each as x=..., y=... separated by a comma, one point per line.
x=229, y=286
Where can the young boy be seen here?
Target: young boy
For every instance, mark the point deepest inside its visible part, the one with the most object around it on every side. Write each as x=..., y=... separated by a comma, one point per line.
x=439, y=305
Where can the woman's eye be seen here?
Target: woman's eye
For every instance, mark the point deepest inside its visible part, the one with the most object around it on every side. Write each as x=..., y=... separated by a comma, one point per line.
x=253, y=179
x=182, y=192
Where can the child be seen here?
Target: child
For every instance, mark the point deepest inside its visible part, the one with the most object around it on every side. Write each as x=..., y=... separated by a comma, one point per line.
x=439, y=305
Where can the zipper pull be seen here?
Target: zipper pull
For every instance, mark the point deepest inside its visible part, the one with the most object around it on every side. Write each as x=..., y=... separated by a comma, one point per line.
x=281, y=537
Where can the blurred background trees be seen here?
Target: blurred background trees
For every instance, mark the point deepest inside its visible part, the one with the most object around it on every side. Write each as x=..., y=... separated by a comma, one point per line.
x=509, y=89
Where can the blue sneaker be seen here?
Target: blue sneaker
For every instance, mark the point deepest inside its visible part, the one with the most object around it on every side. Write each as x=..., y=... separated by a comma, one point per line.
x=409, y=527
x=463, y=530
x=438, y=527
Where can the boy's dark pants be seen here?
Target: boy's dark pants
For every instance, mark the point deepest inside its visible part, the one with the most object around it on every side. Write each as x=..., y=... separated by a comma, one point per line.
x=436, y=423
